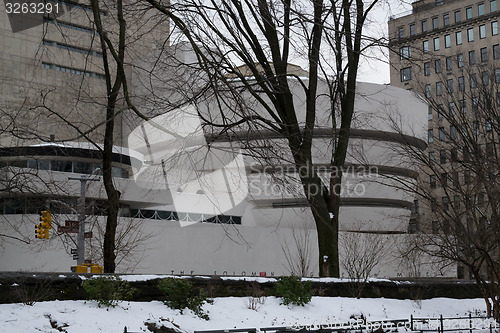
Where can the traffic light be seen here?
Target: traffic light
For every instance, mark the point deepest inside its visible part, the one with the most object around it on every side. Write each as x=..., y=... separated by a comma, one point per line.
x=46, y=219
x=40, y=231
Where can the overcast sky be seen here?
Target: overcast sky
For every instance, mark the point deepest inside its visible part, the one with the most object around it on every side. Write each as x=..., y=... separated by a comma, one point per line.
x=376, y=68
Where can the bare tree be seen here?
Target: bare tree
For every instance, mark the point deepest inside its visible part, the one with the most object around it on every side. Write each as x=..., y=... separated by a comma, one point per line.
x=459, y=185
x=247, y=47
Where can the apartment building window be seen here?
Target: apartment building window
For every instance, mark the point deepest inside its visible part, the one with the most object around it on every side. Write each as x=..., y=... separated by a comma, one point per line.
x=496, y=51
x=430, y=135
x=424, y=26
x=489, y=149
x=439, y=2
x=456, y=202
x=458, y=16
x=466, y=154
x=449, y=85
x=451, y=108
x=475, y=103
x=480, y=9
x=429, y=112
x=442, y=134
x=497, y=75
x=458, y=37
x=468, y=13
x=432, y=181
x=435, y=227
x=453, y=135
x=475, y=127
x=454, y=177
x=427, y=68
x=460, y=60
x=467, y=176
x=405, y=52
x=470, y=34
x=428, y=91
x=436, y=44
x=437, y=66
x=446, y=19
x=494, y=28
x=412, y=29
x=446, y=203
x=432, y=157
x=485, y=77
x=461, y=84
x=489, y=125
x=405, y=74
x=482, y=31
x=447, y=41
x=449, y=64
x=440, y=110
x=444, y=179
x=484, y=54
x=439, y=88
x=463, y=106
x=435, y=23
x=493, y=6
x=401, y=32
x=472, y=57
x=473, y=81
x=425, y=46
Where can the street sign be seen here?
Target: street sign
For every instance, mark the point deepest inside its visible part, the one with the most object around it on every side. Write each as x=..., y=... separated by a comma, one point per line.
x=87, y=234
x=74, y=224
x=74, y=251
x=75, y=256
x=67, y=230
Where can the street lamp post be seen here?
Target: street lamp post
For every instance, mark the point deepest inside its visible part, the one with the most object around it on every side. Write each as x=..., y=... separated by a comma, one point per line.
x=81, y=218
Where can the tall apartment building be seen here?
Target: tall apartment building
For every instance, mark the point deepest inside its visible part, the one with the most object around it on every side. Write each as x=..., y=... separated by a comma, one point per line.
x=448, y=52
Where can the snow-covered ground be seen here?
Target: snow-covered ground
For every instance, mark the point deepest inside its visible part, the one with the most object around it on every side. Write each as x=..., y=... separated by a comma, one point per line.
x=225, y=313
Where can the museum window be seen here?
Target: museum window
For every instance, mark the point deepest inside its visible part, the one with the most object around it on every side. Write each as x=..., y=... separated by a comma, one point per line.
x=406, y=74
x=480, y=9
x=412, y=227
x=446, y=19
x=484, y=54
x=470, y=34
x=427, y=68
x=415, y=207
x=468, y=13
x=482, y=31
